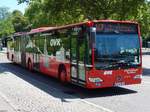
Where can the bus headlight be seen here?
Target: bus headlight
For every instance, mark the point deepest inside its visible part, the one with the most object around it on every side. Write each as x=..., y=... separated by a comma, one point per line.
x=95, y=79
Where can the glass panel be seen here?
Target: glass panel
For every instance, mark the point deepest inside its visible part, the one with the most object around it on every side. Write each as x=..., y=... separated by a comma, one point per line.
x=112, y=28
x=74, y=49
x=10, y=45
x=81, y=58
x=121, y=48
x=41, y=44
x=78, y=55
x=16, y=48
x=58, y=45
x=88, y=51
x=74, y=57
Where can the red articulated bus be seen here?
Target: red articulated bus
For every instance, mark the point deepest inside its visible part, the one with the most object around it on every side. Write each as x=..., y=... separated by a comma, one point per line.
x=93, y=54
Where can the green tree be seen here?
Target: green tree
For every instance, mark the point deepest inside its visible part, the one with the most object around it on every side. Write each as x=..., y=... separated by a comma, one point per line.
x=143, y=18
x=20, y=23
x=70, y=11
x=127, y=9
x=6, y=27
x=4, y=13
x=36, y=15
x=59, y=12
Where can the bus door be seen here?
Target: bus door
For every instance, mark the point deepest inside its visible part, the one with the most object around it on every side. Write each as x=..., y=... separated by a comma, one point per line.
x=23, y=53
x=37, y=52
x=77, y=59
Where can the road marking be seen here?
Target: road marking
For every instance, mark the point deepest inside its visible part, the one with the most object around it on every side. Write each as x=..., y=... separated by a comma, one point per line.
x=97, y=106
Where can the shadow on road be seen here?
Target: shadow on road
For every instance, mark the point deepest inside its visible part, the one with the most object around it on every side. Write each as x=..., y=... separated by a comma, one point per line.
x=53, y=87
x=146, y=71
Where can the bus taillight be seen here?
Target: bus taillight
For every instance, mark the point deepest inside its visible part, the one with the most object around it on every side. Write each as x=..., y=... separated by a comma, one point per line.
x=90, y=23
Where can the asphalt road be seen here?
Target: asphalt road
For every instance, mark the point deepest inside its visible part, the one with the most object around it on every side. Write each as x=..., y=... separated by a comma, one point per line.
x=133, y=98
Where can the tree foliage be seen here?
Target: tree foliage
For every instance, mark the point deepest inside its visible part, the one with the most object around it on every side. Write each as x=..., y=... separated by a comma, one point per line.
x=20, y=23
x=58, y=12
x=4, y=13
x=6, y=27
x=143, y=17
x=12, y=22
x=70, y=11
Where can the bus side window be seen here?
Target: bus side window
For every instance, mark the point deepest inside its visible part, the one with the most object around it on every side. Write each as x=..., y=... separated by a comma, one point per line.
x=37, y=44
x=81, y=38
x=49, y=47
x=41, y=44
x=62, y=45
x=73, y=47
x=16, y=48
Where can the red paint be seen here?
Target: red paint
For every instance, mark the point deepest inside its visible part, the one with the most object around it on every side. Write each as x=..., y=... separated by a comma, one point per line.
x=53, y=69
x=110, y=80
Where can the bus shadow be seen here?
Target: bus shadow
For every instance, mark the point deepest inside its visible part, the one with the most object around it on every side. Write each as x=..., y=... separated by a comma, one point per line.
x=53, y=87
x=146, y=71
x=103, y=92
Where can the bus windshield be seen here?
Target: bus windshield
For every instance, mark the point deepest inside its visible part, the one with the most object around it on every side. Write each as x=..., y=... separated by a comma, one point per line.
x=113, y=51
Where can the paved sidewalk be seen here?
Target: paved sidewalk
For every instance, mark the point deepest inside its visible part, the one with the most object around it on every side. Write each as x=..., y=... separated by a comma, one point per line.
x=18, y=95
x=4, y=105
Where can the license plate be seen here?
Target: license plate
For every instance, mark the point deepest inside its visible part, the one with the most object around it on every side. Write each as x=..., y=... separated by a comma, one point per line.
x=119, y=84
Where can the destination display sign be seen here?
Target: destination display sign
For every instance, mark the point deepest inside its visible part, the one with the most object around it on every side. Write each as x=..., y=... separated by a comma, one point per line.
x=116, y=28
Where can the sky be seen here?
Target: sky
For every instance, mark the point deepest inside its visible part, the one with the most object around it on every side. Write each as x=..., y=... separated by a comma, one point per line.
x=12, y=5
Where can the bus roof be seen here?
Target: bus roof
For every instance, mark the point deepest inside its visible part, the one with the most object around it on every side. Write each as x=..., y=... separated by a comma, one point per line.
x=41, y=29
x=19, y=33
x=46, y=29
